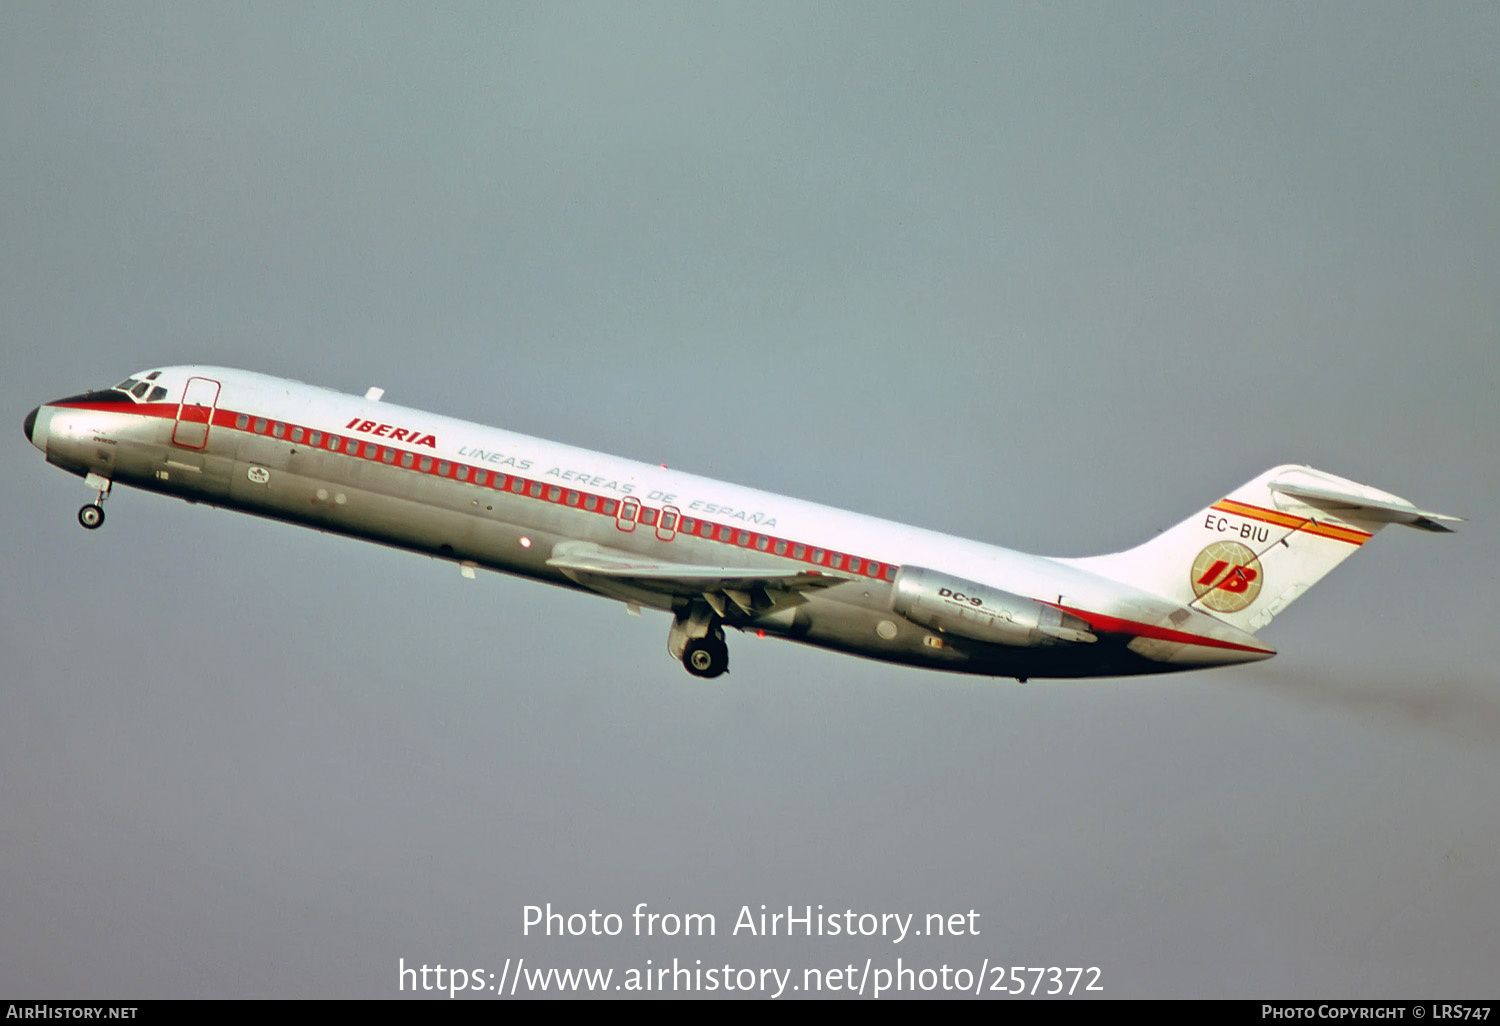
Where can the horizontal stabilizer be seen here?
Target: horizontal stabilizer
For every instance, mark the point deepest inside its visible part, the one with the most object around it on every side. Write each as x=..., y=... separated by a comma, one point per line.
x=1365, y=507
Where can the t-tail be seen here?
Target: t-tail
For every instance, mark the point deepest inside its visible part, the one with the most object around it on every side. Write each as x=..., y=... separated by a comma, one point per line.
x=1254, y=552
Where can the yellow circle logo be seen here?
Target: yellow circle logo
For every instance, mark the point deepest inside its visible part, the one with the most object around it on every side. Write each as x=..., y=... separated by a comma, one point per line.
x=1226, y=577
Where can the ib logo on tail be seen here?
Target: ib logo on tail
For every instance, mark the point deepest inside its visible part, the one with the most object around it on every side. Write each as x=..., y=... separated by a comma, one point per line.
x=1226, y=577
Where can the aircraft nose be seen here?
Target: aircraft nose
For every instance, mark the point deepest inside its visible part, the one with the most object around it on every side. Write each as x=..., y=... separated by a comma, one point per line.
x=36, y=433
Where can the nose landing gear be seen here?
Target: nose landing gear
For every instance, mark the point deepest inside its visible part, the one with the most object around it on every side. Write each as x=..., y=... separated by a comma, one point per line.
x=92, y=515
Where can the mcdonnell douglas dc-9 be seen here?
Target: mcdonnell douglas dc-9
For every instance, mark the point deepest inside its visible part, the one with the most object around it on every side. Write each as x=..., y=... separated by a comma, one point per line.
x=715, y=555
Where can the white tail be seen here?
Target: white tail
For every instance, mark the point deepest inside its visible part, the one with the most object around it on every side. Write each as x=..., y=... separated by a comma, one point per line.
x=1251, y=554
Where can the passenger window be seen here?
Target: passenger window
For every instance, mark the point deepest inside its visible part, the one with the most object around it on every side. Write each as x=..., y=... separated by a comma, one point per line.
x=260, y=425
x=781, y=548
x=743, y=539
x=334, y=442
x=278, y=429
x=481, y=476
x=554, y=493
x=462, y=473
x=296, y=434
x=242, y=421
x=426, y=464
x=888, y=573
x=572, y=498
x=591, y=502
x=315, y=438
x=817, y=555
x=372, y=451
x=387, y=455
x=799, y=551
x=443, y=467
x=536, y=490
x=351, y=446
x=762, y=542
x=407, y=460
x=648, y=517
x=855, y=563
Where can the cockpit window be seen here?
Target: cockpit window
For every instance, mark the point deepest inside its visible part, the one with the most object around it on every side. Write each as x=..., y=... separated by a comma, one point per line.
x=138, y=387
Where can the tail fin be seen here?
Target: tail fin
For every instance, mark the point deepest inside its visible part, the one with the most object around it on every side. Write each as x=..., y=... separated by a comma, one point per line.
x=1251, y=554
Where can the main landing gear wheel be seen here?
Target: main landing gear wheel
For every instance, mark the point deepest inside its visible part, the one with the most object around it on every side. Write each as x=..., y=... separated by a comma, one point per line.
x=706, y=657
x=91, y=516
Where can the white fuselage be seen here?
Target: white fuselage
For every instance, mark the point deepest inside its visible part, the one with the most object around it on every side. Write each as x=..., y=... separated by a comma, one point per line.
x=484, y=497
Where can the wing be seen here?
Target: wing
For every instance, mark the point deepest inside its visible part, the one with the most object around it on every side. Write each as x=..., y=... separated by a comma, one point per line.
x=755, y=591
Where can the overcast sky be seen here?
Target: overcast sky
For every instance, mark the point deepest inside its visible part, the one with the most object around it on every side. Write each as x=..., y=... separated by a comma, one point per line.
x=1050, y=276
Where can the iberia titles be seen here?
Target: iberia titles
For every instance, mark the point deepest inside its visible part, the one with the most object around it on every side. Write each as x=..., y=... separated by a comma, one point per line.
x=395, y=434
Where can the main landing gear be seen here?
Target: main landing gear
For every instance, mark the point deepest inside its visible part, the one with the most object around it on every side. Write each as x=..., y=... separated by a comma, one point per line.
x=706, y=657
x=92, y=515
x=697, y=638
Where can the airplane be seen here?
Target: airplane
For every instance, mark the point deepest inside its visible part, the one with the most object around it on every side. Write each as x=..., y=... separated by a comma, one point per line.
x=711, y=554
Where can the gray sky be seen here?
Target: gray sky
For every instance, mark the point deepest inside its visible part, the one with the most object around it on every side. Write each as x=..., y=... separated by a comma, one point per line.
x=1051, y=277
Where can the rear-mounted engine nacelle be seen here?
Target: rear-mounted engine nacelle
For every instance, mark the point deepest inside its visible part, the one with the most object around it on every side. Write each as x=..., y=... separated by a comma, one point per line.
x=955, y=606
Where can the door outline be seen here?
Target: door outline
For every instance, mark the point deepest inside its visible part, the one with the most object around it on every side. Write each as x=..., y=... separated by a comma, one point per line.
x=191, y=432
x=628, y=512
x=667, y=531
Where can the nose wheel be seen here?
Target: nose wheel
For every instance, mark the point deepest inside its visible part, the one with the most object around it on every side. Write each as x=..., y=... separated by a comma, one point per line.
x=92, y=515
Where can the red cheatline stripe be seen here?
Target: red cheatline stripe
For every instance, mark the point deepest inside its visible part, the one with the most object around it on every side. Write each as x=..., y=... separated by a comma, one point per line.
x=1271, y=516
x=1115, y=625
x=167, y=410
x=375, y=451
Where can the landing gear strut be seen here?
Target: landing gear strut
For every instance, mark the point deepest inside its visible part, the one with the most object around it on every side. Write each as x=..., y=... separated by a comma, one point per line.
x=92, y=515
x=697, y=638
